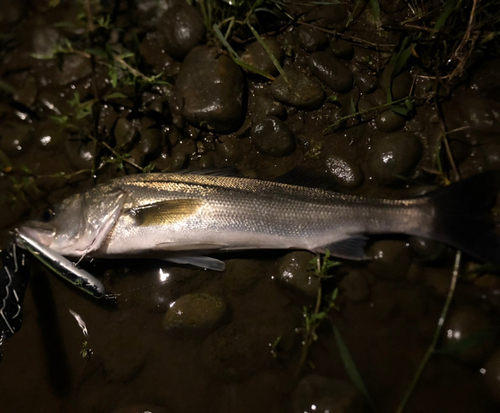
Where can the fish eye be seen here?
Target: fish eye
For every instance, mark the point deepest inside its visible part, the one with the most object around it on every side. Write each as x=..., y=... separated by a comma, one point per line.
x=47, y=215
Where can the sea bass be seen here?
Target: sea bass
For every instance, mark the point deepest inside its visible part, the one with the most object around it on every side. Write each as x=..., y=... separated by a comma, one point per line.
x=184, y=217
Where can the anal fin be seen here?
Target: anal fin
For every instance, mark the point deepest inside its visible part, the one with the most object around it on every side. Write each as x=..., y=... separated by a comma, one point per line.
x=208, y=263
x=351, y=248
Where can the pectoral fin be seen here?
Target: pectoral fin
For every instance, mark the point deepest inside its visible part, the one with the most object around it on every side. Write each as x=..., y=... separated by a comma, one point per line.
x=208, y=263
x=166, y=212
x=351, y=248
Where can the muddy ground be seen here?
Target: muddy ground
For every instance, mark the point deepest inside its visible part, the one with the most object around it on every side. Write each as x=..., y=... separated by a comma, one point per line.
x=93, y=90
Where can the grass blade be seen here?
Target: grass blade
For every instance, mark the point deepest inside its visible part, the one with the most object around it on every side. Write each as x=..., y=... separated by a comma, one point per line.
x=448, y=8
x=350, y=367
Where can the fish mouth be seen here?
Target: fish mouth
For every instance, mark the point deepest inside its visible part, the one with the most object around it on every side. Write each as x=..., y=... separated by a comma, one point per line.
x=44, y=236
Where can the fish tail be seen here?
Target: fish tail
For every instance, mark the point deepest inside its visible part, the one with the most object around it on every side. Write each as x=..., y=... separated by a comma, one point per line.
x=463, y=216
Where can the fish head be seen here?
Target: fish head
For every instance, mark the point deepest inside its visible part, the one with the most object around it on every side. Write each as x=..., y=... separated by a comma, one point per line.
x=79, y=224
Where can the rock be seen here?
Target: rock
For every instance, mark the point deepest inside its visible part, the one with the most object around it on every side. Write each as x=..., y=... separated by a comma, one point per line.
x=461, y=150
x=394, y=156
x=140, y=408
x=331, y=71
x=53, y=103
x=492, y=374
x=26, y=90
x=365, y=82
x=48, y=135
x=256, y=56
x=486, y=79
x=211, y=87
x=344, y=172
x=342, y=48
x=80, y=152
x=12, y=10
x=151, y=142
x=391, y=260
x=427, y=250
x=44, y=40
x=264, y=106
x=195, y=312
x=15, y=138
x=125, y=133
x=241, y=275
x=229, y=148
x=123, y=358
x=321, y=395
x=300, y=91
x=389, y=121
x=295, y=270
x=469, y=334
x=74, y=67
x=148, y=12
x=311, y=39
x=182, y=29
x=401, y=85
x=354, y=286
x=272, y=137
x=333, y=16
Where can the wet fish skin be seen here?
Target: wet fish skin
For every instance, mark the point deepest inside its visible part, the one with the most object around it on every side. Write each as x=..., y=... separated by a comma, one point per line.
x=192, y=214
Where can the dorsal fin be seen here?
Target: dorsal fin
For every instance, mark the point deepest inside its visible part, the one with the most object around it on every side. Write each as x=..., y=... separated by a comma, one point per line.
x=225, y=171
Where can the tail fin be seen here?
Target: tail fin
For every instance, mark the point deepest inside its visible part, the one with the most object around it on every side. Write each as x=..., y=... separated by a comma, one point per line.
x=463, y=218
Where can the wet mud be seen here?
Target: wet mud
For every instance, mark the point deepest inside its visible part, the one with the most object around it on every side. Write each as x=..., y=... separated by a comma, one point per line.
x=92, y=93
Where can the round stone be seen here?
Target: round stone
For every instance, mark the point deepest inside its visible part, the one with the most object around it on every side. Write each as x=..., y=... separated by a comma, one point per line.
x=354, y=286
x=331, y=71
x=390, y=260
x=15, y=138
x=342, y=48
x=182, y=28
x=427, y=250
x=311, y=39
x=395, y=156
x=401, y=85
x=365, y=82
x=344, y=172
x=264, y=106
x=296, y=271
x=389, y=121
x=195, y=312
x=125, y=132
x=256, y=56
x=271, y=136
x=492, y=374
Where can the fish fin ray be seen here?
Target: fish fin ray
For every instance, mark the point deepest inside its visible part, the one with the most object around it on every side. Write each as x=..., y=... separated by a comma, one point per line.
x=351, y=248
x=225, y=171
x=166, y=212
x=208, y=263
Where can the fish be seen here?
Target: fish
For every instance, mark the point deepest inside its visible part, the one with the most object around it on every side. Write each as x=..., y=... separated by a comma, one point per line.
x=185, y=217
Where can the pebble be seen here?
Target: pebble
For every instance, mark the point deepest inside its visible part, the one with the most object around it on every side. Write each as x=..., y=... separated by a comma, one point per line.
x=468, y=334
x=26, y=92
x=140, y=408
x=74, y=67
x=331, y=71
x=486, y=79
x=342, y=48
x=401, y=85
x=460, y=150
x=391, y=259
x=344, y=172
x=151, y=142
x=295, y=271
x=182, y=29
x=333, y=16
x=272, y=137
x=394, y=156
x=195, y=312
x=365, y=82
x=300, y=91
x=389, y=121
x=311, y=39
x=354, y=286
x=12, y=10
x=125, y=133
x=48, y=135
x=427, y=250
x=317, y=394
x=264, y=106
x=241, y=274
x=80, y=153
x=123, y=358
x=492, y=374
x=229, y=148
x=211, y=87
x=15, y=138
x=256, y=56
x=44, y=39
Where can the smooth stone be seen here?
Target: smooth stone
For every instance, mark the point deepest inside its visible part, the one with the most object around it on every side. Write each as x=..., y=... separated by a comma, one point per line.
x=15, y=138
x=316, y=394
x=354, y=286
x=125, y=132
x=272, y=137
x=469, y=334
x=26, y=93
x=344, y=172
x=342, y=48
x=300, y=91
x=389, y=121
x=229, y=148
x=195, y=312
x=44, y=39
x=123, y=358
x=182, y=29
x=211, y=87
x=264, y=106
x=492, y=374
x=486, y=79
x=12, y=10
x=333, y=16
x=81, y=153
x=427, y=250
x=395, y=156
x=460, y=150
x=151, y=142
x=401, y=85
x=390, y=260
x=311, y=39
x=53, y=103
x=366, y=83
x=256, y=56
x=48, y=135
x=74, y=67
x=296, y=271
x=331, y=71
x=241, y=275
